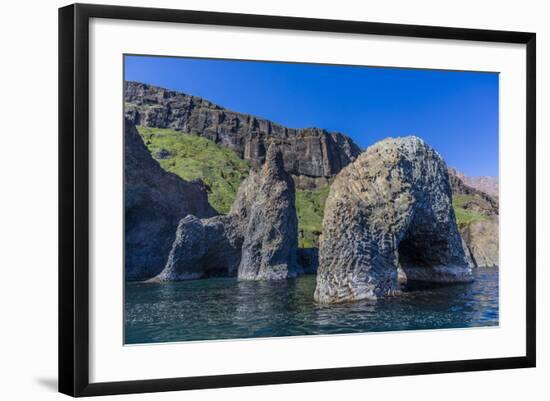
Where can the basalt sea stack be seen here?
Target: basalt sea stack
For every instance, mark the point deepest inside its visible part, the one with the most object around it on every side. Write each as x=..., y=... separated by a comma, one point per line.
x=389, y=211
x=257, y=240
x=270, y=242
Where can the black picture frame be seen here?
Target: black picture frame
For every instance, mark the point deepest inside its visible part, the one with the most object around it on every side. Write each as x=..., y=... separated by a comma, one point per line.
x=74, y=198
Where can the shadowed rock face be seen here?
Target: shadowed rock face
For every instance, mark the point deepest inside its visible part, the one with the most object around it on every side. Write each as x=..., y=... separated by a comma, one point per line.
x=154, y=201
x=257, y=240
x=312, y=155
x=389, y=210
x=204, y=248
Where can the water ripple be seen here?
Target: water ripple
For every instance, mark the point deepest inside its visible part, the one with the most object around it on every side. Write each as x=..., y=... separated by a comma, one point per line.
x=225, y=308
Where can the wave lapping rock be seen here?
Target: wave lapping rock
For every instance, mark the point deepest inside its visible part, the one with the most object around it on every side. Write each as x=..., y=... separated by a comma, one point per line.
x=313, y=155
x=389, y=211
x=257, y=240
x=154, y=200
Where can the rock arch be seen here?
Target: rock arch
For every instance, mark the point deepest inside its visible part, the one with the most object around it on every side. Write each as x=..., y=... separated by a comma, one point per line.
x=389, y=212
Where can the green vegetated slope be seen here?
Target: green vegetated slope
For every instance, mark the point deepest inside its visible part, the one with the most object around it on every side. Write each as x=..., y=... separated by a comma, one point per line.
x=464, y=216
x=310, y=206
x=192, y=157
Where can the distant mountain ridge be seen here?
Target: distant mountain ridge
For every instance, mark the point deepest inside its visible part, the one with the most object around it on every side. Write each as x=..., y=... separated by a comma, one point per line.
x=312, y=155
x=487, y=184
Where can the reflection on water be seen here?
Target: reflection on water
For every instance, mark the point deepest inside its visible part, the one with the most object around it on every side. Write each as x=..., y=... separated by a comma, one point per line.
x=224, y=308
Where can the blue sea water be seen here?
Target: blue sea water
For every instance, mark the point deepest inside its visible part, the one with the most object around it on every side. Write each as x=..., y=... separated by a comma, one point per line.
x=225, y=308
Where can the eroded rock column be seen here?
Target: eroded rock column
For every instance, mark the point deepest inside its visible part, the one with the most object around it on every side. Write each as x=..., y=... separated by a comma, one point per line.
x=257, y=240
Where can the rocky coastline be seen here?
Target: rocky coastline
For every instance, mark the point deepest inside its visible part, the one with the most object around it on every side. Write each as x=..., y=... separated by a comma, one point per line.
x=390, y=218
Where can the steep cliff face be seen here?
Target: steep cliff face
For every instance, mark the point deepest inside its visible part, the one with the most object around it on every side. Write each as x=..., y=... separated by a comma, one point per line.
x=312, y=155
x=389, y=211
x=155, y=201
x=257, y=240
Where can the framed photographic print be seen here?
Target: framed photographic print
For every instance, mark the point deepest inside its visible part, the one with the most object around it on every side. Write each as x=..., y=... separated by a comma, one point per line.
x=249, y=199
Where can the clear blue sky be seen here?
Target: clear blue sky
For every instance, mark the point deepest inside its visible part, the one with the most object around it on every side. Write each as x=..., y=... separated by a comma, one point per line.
x=455, y=112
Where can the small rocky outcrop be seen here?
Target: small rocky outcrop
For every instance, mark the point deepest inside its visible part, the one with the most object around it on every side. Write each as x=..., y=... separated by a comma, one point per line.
x=389, y=211
x=257, y=240
x=155, y=200
x=204, y=248
x=312, y=155
x=481, y=238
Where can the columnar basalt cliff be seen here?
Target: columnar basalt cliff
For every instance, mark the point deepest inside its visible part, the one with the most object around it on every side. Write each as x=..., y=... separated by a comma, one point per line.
x=389, y=210
x=257, y=240
x=312, y=155
x=155, y=201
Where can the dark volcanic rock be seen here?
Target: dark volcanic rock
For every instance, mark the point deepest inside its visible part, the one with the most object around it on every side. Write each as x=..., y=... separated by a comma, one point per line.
x=271, y=234
x=204, y=248
x=312, y=154
x=257, y=240
x=162, y=154
x=154, y=201
x=390, y=210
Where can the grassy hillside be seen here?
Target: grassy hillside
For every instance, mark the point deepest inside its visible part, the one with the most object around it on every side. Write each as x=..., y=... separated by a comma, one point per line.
x=463, y=215
x=193, y=157
x=310, y=205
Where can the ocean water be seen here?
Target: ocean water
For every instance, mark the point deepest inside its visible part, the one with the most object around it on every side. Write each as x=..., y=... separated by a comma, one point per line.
x=225, y=308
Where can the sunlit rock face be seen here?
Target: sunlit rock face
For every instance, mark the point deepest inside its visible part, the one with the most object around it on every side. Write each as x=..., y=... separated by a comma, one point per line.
x=482, y=240
x=389, y=211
